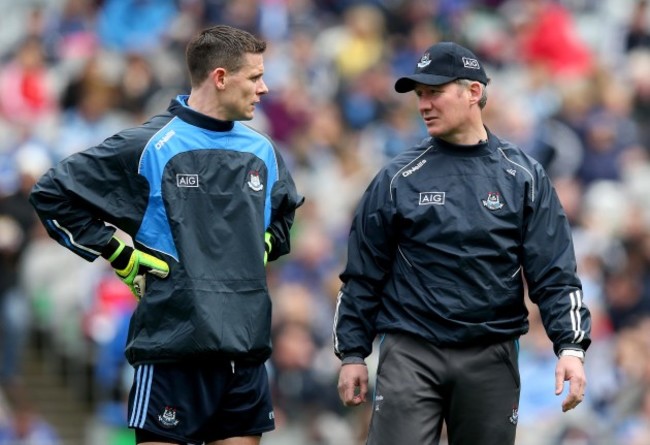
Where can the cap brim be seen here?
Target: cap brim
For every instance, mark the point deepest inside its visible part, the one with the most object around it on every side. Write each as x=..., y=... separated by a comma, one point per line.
x=407, y=83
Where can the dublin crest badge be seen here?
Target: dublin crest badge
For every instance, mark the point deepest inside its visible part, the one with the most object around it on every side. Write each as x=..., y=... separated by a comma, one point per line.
x=493, y=201
x=424, y=61
x=168, y=418
x=254, y=183
x=514, y=418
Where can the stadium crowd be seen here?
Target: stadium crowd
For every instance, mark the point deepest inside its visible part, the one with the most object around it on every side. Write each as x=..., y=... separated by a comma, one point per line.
x=570, y=85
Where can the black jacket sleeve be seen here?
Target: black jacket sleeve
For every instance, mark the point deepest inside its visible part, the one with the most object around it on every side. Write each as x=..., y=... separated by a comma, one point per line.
x=550, y=268
x=78, y=196
x=371, y=249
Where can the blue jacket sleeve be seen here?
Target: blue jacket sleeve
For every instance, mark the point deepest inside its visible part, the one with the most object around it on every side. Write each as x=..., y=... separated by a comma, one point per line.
x=550, y=268
x=371, y=249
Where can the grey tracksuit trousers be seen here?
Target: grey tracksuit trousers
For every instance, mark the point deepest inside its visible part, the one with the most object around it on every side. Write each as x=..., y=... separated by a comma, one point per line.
x=473, y=390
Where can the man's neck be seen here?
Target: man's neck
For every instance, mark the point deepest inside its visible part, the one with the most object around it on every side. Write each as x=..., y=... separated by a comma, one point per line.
x=473, y=136
x=204, y=104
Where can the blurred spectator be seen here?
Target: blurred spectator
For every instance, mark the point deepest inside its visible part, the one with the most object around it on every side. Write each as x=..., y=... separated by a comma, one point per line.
x=288, y=110
x=21, y=423
x=364, y=99
x=244, y=14
x=610, y=135
x=58, y=285
x=625, y=303
x=92, y=116
x=636, y=430
x=357, y=43
x=137, y=86
x=189, y=19
x=638, y=31
x=408, y=46
x=92, y=72
x=68, y=33
x=17, y=220
x=134, y=26
x=27, y=89
x=309, y=268
x=386, y=138
x=547, y=37
x=577, y=100
x=300, y=63
x=302, y=392
x=26, y=427
x=639, y=66
x=536, y=365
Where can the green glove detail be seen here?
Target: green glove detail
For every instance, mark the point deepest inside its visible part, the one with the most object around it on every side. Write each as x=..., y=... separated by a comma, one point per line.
x=267, y=246
x=131, y=265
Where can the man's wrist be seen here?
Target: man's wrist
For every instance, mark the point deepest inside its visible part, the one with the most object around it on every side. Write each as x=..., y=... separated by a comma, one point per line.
x=578, y=353
x=112, y=249
x=353, y=360
x=117, y=253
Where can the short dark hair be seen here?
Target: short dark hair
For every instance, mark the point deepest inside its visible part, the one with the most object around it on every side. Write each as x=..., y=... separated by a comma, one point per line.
x=219, y=46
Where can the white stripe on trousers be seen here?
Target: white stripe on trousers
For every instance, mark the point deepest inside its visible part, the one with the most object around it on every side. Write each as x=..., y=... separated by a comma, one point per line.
x=143, y=379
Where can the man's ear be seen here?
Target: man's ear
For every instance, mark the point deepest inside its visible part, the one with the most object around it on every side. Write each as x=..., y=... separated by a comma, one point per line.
x=476, y=90
x=218, y=76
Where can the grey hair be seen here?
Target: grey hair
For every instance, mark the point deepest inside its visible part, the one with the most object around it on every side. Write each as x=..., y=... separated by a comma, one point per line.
x=483, y=100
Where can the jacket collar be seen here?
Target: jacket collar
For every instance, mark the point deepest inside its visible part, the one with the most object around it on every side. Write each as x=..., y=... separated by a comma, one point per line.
x=483, y=148
x=179, y=108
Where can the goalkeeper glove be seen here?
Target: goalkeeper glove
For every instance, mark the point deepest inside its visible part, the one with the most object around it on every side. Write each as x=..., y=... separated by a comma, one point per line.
x=131, y=265
x=267, y=246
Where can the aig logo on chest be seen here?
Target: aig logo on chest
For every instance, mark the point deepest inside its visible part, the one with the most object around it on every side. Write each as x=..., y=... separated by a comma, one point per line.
x=187, y=180
x=432, y=198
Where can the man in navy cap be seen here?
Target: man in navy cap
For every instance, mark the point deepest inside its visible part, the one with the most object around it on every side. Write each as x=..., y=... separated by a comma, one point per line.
x=444, y=244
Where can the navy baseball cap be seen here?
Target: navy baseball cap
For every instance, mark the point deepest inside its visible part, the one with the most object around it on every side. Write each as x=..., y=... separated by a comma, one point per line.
x=442, y=63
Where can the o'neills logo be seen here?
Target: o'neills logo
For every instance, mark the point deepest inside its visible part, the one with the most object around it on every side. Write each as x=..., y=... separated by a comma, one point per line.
x=415, y=168
x=164, y=139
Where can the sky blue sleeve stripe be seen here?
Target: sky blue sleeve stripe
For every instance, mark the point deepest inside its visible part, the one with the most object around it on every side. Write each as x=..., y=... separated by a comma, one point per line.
x=155, y=231
x=272, y=169
x=262, y=147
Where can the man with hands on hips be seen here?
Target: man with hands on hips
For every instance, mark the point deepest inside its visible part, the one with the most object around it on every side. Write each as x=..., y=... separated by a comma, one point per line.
x=207, y=200
x=443, y=244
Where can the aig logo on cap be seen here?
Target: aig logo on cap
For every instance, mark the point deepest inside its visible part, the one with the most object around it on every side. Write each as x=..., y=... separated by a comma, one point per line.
x=471, y=63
